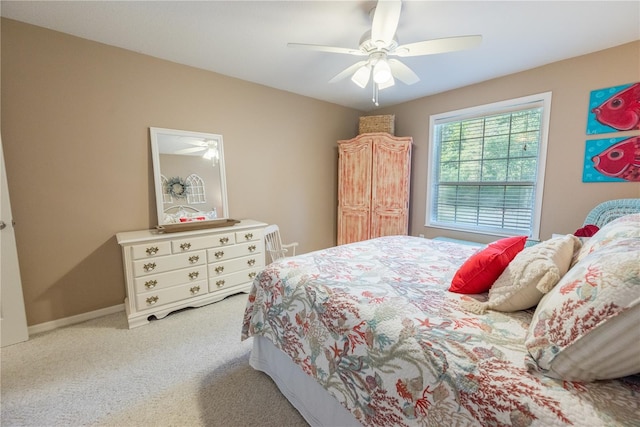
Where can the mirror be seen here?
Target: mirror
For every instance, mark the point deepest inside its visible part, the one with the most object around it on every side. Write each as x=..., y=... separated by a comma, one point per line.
x=188, y=170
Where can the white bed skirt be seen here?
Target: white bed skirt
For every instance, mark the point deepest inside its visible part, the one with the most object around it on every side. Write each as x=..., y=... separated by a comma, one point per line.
x=313, y=402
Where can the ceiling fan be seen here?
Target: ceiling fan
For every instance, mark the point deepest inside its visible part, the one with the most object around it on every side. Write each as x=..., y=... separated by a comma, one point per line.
x=208, y=146
x=380, y=43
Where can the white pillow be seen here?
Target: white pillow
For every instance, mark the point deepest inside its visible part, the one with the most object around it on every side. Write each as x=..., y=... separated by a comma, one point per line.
x=532, y=273
x=587, y=327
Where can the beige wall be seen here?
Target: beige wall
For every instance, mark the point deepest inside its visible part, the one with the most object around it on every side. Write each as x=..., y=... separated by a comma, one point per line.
x=75, y=119
x=75, y=129
x=567, y=200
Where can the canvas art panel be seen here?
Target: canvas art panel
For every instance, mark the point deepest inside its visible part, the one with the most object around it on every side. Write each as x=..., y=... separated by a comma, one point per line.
x=614, y=109
x=612, y=160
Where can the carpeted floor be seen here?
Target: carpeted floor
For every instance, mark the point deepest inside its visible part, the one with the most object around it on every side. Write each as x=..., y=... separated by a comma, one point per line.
x=188, y=369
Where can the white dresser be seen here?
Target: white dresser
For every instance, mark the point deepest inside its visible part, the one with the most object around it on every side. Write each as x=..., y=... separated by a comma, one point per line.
x=167, y=272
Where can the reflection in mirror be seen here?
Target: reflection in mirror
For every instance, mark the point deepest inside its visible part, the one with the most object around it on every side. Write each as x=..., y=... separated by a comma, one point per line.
x=188, y=169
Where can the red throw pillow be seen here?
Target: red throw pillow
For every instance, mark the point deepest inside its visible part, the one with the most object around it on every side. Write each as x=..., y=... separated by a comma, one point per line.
x=586, y=231
x=478, y=273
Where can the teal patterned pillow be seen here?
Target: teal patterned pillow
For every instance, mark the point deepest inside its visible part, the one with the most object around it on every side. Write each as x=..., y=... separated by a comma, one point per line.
x=586, y=328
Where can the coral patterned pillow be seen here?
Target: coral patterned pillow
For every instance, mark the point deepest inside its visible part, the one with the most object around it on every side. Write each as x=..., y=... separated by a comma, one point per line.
x=478, y=273
x=586, y=328
x=625, y=226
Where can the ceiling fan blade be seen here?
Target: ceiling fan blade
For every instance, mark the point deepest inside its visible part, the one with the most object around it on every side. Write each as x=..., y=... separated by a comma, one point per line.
x=348, y=71
x=190, y=150
x=430, y=47
x=402, y=72
x=330, y=49
x=385, y=21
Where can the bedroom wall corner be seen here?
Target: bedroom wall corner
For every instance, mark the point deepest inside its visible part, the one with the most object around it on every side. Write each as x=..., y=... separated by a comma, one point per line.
x=567, y=199
x=75, y=120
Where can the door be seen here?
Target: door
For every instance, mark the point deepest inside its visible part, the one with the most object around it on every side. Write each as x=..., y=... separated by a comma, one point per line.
x=12, y=315
x=354, y=190
x=390, y=186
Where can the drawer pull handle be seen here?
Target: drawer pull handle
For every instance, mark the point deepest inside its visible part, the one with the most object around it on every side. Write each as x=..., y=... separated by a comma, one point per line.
x=152, y=300
x=185, y=246
x=149, y=267
x=194, y=259
x=248, y=236
x=252, y=275
x=220, y=283
x=219, y=254
x=252, y=248
x=152, y=250
x=251, y=262
x=150, y=284
x=194, y=290
x=194, y=274
x=219, y=269
x=224, y=240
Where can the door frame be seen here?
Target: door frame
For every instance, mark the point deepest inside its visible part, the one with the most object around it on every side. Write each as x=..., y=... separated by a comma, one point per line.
x=13, y=320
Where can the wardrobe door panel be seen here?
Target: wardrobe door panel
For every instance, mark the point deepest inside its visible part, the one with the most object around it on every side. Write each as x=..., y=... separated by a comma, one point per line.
x=353, y=225
x=391, y=222
x=390, y=186
x=354, y=190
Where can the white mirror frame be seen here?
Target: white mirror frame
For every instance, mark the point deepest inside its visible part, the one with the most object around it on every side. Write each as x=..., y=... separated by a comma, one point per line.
x=181, y=140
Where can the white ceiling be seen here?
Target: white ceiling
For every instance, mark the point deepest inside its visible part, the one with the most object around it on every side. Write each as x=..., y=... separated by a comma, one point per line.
x=248, y=39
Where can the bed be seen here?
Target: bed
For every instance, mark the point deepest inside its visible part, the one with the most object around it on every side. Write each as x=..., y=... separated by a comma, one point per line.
x=368, y=333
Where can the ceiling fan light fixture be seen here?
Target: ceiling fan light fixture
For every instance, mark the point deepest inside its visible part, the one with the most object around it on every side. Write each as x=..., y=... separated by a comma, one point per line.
x=209, y=154
x=390, y=82
x=212, y=152
x=382, y=72
x=361, y=76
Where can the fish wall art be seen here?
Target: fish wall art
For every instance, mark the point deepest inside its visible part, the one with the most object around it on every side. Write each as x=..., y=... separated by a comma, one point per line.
x=614, y=109
x=612, y=160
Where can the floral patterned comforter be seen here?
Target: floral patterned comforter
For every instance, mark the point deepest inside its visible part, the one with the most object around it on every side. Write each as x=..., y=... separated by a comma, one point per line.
x=374, y=324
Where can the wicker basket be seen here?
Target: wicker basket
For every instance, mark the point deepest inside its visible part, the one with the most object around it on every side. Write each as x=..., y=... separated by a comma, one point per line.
x=370, y=124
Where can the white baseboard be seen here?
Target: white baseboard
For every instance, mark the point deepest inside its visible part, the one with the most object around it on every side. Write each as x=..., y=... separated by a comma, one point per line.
x=54, y=324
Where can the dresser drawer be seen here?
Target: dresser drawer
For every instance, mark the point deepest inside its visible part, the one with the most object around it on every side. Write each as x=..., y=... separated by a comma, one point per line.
x=166, y=263
x=188, y=244
x=150, y=250
x=243, y=249
x=234, y=279
x=164, y=280
x=248, y=236
x=166, y=296
x=236, y=264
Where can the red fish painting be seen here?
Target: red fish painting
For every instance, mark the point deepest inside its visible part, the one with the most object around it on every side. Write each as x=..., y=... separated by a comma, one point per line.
x=621, y=160
x=622, y=110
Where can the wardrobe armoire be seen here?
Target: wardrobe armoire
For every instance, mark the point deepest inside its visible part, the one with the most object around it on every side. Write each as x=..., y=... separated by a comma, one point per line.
x=374, y=171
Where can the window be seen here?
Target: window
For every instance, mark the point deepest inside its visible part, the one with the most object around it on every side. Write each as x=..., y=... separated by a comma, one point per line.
x=196, y=194
x=487, y=167
x=166, y=196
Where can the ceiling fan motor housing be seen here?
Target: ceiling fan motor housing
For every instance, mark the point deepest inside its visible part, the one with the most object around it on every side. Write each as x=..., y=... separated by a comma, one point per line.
x=369, y=46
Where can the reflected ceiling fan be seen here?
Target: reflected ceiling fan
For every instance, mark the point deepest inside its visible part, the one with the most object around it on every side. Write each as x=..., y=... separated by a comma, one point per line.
x=207, y=148
x=380, y=43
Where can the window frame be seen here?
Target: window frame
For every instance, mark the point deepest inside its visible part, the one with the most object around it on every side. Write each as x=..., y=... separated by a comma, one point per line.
x=542, y=100
x=166, y=196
